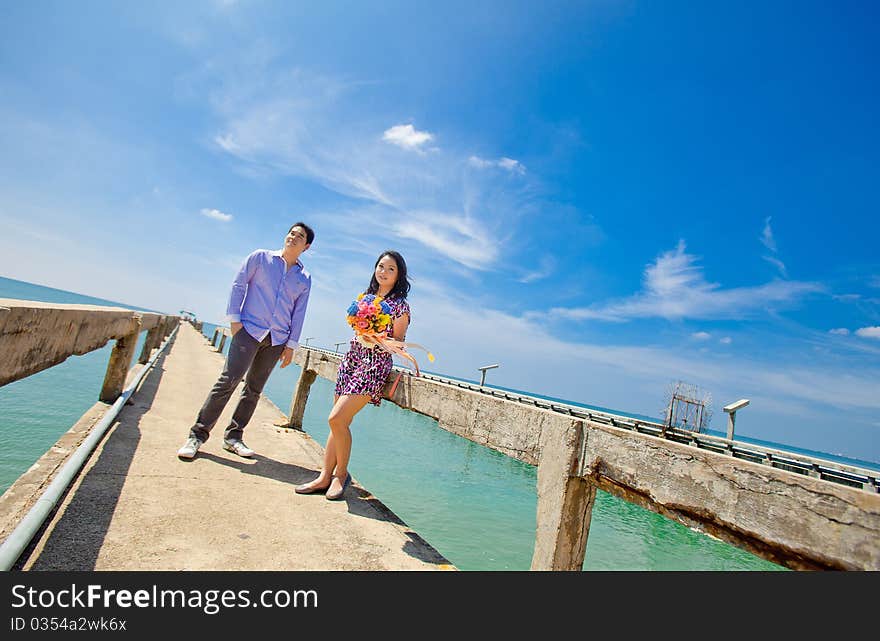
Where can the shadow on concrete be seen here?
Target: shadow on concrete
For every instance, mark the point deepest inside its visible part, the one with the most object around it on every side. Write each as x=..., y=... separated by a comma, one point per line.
x=263, y=466
x=360, y=502
x=76, y=540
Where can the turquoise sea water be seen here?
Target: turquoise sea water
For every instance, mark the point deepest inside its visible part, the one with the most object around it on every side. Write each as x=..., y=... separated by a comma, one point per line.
x=475, y=505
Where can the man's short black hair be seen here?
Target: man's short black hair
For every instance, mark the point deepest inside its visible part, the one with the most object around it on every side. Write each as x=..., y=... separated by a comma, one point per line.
x=310, y=234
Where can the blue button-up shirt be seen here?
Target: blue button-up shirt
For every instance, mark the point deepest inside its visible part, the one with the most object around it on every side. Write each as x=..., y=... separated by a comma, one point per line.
x=268, y=298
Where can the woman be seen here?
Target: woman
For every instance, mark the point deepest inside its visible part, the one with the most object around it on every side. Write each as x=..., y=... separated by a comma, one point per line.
x=361, y=377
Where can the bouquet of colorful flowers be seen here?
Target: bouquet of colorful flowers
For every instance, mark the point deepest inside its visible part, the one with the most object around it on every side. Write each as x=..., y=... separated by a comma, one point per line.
x=370, y=318
x=369, y=315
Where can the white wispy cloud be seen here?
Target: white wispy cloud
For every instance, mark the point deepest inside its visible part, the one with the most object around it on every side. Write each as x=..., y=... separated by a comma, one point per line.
x=701, y=336
x=840, y=331
x=407, y=137
x=769, y=242
x=476, y=161
x=292, y=123
x=267, y=136
x=512, y=165
x=305, y=125
x=767, y=236
x=457, y=237
x=546, y=267
x=778, y=264
x=216, y=214
x=674, y=287
x=869, y=332
x=509, y=164
x=727, y=340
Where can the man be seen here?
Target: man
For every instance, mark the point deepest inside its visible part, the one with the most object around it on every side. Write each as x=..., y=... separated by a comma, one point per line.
x=266, y=309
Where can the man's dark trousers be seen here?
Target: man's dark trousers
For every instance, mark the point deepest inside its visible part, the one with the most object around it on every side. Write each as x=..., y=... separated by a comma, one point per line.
x=248, y=356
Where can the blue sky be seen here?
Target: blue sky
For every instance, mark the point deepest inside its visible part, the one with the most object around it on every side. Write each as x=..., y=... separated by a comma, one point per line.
x=603, y=197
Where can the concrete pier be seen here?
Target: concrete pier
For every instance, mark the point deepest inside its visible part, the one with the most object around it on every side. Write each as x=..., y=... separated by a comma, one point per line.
x=136, y=506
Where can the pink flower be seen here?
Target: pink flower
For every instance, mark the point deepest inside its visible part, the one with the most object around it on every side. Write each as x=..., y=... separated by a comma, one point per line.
x=362, y=324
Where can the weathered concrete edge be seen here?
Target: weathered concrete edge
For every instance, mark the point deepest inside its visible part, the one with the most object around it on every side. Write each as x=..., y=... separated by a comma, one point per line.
x=36, y=335
x=798, y=521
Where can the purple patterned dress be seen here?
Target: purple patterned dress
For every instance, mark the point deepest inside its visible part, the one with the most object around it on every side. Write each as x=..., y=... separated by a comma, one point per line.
x=363, y=370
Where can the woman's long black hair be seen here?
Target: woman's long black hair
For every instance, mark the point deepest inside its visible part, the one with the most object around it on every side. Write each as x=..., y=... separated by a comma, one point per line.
x=402, y=286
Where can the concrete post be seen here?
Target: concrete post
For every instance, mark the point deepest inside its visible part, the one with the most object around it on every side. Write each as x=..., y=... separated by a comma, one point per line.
x=301, y=395
x=152, y=341
x=164, y=329
x=222, y=342
x=565, y=502
x=166, y=326
x=161, y=332
x=214, y=337
x=117, y=368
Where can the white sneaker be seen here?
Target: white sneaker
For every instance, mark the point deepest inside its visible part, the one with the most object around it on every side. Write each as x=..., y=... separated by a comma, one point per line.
x=189, y=448
x=238, y=447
